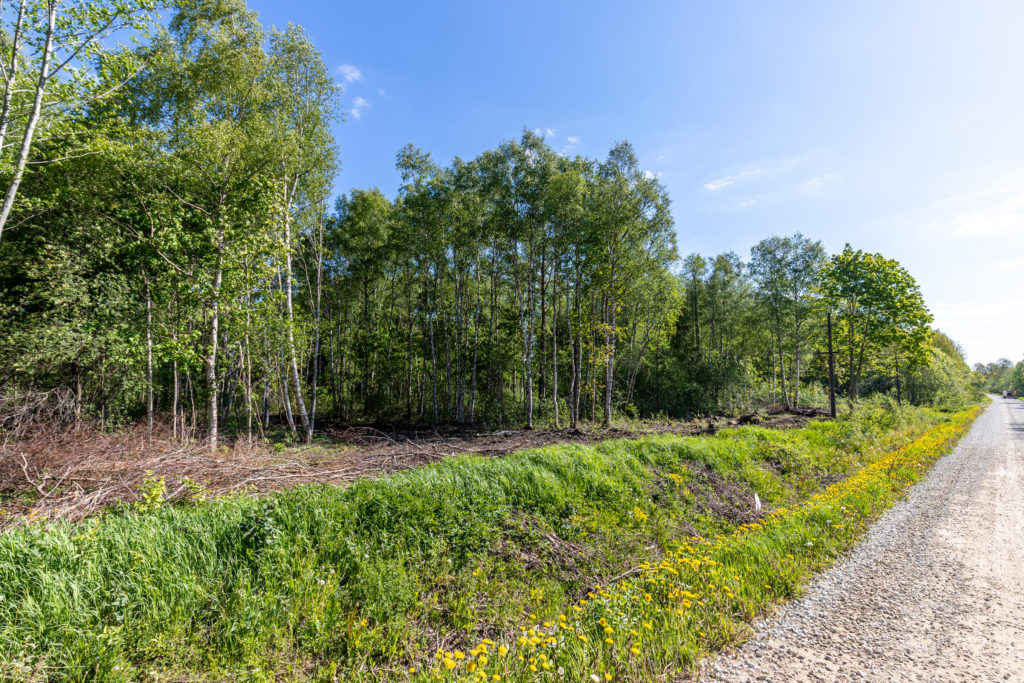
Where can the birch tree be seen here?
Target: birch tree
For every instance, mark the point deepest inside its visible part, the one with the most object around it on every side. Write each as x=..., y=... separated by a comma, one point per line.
x=57, y=63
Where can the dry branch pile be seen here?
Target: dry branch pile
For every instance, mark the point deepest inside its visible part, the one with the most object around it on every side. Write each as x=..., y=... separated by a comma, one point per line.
x=54, y=467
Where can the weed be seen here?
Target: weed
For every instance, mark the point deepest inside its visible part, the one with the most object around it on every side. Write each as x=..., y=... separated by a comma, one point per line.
x=469, y=556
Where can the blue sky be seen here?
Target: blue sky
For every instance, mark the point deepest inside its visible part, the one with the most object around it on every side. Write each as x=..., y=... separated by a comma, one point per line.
x=895, y=126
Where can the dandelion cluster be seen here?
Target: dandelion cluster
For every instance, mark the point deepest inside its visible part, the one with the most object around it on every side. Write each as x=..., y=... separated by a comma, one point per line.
x=675, y=609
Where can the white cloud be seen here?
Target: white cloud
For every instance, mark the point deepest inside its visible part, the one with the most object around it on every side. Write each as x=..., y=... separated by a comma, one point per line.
x=358, y=105
x=550, y=132
x=1008, y=265
x=747, y=203
x=996, y=211
x=380, y=91
x=722, y=183
x=651, y=175
x=815, y=184
x=350, y=73
x=574, y=140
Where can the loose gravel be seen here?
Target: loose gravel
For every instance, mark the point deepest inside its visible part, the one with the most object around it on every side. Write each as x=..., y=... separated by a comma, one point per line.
x=936, y=591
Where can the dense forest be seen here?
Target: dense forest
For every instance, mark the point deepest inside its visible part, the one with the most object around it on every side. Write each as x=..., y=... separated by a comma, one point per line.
x=171, y=250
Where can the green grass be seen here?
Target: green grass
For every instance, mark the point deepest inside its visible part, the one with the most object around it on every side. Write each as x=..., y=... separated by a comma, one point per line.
x=368, y=581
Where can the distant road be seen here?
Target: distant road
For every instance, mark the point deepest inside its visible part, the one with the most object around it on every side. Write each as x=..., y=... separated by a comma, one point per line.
x=936, y=592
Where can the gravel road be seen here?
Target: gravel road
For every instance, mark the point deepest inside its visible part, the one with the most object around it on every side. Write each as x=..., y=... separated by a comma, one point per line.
x=936, y=591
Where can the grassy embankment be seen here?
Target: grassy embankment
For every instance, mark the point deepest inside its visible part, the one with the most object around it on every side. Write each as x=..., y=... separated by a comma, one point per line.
x=474, y=568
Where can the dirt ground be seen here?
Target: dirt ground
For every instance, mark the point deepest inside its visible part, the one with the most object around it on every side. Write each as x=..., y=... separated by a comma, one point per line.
x=72, y=473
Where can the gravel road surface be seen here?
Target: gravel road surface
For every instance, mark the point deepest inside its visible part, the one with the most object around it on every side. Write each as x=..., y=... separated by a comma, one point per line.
x=936, y=591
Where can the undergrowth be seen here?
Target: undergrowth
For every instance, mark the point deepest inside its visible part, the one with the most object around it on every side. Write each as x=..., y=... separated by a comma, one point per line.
x=623, y=560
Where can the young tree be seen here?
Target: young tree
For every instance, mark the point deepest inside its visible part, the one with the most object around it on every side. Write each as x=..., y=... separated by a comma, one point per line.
x=41, y=69
x=879, y=304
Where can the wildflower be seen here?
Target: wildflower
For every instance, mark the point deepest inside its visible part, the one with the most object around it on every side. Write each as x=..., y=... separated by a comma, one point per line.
x=502, y=650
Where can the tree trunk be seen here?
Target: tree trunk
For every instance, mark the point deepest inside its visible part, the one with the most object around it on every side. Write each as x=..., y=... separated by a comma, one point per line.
x=317, y=317
x=174, y=401
x=554, y=344
x=851, y=390
x=149, y=361
x=211, y=358
x=433, y=360
x=33, y=119
x=11, y=75
x=831, y=370
x=287, y=284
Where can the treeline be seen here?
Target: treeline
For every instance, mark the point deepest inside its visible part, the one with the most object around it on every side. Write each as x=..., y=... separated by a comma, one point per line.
x=172, y=251
x=1002, y=375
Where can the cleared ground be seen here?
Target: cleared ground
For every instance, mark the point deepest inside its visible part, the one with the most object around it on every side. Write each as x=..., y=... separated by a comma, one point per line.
x=71, y=473
x=936, y=592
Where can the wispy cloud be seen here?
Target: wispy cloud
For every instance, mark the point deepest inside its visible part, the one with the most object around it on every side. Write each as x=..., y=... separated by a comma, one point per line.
x=380, y=91
x=358, y=105
x=816, y=184
x=349, y=73
x=724, y=182
x=997, y=210
x=574, y=140
x=545, y=132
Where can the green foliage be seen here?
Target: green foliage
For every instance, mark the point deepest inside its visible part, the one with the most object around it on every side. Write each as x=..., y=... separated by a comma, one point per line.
x=882, y=319
x=151, y=493
x=191, y=265
x=366, y=576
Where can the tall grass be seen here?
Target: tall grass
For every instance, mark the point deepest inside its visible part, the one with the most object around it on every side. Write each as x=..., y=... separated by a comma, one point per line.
x=392, y=577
